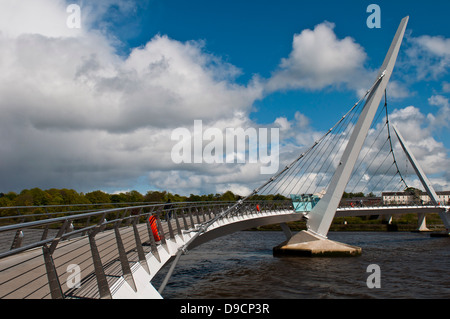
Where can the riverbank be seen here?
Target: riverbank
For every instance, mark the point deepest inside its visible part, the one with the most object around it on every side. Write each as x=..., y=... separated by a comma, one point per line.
x=405, y=223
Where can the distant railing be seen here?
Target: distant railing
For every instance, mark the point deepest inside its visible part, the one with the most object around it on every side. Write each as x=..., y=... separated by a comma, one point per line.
x=389, y=207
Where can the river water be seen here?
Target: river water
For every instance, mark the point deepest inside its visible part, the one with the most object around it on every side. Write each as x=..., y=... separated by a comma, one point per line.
x=241, y=266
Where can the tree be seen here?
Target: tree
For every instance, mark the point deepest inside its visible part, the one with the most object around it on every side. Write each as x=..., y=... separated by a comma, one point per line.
x=228, y=196
x=5, y=201
x=194, y=198
x=40, y=197
x=176, y=198
x=98, y=197
x=280, y=197
x=24, y=199
x=71, y=197
x=134, y=196
x=11, y=196
x=353, y=195
x=56, y=196
x=414, y=192
x=155, y=196
x=119, y=198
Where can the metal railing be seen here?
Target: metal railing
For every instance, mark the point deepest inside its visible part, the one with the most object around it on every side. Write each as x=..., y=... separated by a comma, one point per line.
x=102, y=243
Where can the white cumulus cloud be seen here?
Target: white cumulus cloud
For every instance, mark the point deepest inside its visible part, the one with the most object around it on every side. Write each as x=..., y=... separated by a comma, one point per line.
x=319, y=59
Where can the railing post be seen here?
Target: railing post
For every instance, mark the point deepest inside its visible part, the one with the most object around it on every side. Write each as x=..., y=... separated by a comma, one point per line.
x=69, y=228
x=198, y=215
x=52, y=275
x=17, y=241
x=128, y=222
x=183, y=215
x=203, y=213
x=139, y=248
x=126, y=270
x=177, y=222
x=169, y=224
x=88, y=220
x=102, y=283
x=45, y=232
x=18, y=237
x=191, y=218
x=160, y=229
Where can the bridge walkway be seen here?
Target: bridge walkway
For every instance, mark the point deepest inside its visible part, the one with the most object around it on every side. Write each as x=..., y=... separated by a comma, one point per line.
x=25, y=275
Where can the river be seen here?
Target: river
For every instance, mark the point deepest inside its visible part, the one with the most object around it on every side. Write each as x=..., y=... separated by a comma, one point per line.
x=241, y=266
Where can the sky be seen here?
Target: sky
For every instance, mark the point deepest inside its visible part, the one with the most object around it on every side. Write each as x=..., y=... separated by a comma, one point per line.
x=93, y=106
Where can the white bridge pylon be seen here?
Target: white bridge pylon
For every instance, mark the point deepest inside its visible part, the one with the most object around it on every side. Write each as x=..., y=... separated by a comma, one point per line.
x=314, y=240
x=321, y=217
x=444, y=215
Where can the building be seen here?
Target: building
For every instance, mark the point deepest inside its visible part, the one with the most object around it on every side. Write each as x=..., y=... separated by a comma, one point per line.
x=406, y=198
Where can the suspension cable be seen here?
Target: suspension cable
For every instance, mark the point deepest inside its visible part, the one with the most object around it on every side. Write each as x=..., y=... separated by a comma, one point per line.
x=390, y=139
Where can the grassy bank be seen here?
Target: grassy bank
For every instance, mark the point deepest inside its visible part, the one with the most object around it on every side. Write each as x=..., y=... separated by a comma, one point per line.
x=407, y=222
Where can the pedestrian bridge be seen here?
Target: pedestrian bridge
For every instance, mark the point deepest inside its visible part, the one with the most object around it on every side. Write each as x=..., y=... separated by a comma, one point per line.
x=115, y=253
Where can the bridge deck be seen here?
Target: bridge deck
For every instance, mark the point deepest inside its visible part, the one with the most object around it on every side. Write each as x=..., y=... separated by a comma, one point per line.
x=24, y=275
x=387, y=210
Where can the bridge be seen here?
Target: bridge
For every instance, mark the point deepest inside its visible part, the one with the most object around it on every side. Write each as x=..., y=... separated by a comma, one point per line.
x=115, y=253
x=117, y=250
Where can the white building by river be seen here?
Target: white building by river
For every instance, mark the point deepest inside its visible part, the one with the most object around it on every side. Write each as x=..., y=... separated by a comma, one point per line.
x=404, y=198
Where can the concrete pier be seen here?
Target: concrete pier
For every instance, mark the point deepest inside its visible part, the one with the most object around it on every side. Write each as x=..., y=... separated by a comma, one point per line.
x=307, y=244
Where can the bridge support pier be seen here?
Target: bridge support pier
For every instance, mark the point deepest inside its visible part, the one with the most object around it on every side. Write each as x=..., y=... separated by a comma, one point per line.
x=389, y=219
x=307, y=244
x=286, y=230
x=422, y=223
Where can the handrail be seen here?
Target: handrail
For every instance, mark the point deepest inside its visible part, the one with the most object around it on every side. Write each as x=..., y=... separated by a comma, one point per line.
x=392, y=207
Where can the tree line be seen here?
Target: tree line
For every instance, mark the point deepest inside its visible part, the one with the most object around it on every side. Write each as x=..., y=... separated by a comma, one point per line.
x=53, y=196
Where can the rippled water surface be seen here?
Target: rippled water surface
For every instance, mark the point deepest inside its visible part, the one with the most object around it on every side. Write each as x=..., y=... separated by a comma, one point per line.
x=241, y=265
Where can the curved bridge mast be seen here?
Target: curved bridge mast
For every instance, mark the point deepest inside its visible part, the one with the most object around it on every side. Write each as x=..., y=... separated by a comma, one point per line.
x=321, y=217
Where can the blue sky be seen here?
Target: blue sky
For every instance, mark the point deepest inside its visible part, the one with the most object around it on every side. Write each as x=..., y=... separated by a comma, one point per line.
x=93, y=108
x=255, y=35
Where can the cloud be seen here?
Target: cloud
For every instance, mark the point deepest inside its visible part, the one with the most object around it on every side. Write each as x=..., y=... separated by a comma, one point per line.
x=417, y=129
x=45, y=17
x=442, y=117
x=318, y=60
x=398, y=90
x=428, y=56
x=163, y=84
x=446, y=87
x=77, y=114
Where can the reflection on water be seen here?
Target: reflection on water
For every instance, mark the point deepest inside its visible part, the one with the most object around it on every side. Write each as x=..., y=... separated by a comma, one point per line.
x=241, y=265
